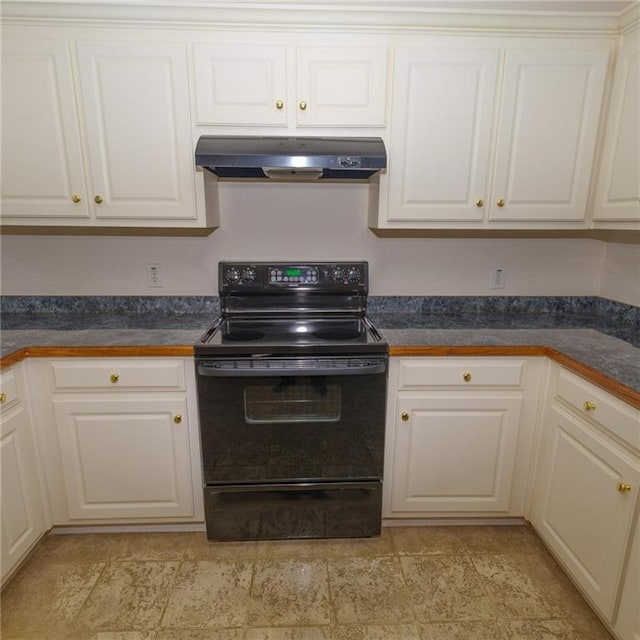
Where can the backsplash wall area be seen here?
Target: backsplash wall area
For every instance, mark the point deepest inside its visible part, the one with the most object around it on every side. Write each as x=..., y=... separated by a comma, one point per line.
x=317, y=222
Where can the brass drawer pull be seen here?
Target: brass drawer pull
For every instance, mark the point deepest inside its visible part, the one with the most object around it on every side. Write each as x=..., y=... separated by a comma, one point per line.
x=624, y=487
x=177, y=418
x=114, y=377
x=404, y=416
x=279, y=104
x=3, y=398
x=589, y=406
x=501, y=202
x=479, y=202
x=466, y=376
x=302, y=104
x=75, y=198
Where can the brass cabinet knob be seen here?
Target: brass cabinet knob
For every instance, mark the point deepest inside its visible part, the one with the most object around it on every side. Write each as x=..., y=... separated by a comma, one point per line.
x=624, y=487
x=98, y=200
x=75, y=198
x=279, y=104
x=500, y=202
x=114, y=377
x=589, y=406
x=404, y=416
x=177, y=418
x=466, y=376
x=479, y=202
x=3, y=398
x=302, y=104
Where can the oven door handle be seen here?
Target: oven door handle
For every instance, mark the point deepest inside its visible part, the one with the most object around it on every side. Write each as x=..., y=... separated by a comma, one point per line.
x=264, y=368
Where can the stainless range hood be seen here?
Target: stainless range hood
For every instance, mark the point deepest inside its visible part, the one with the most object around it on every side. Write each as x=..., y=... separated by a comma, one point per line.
x=293, y=158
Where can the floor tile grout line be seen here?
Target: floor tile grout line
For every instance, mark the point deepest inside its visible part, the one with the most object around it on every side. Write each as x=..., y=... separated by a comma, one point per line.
x=485, y=587
x=333, y=614
x=91, y=591
x=407, y=587
x=168, y=597
x=245, y=625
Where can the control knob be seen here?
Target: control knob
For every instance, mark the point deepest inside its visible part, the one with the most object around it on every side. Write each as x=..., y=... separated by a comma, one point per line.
x=337, y=275
x=353, y=276
x=249, y=275
x=232, y=276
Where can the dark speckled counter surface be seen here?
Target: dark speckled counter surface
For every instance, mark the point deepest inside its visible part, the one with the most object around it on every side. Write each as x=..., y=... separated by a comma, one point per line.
x=602, y=343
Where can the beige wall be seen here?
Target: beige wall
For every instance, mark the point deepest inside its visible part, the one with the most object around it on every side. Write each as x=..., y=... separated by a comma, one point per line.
x=315, y=222
x=620, y=276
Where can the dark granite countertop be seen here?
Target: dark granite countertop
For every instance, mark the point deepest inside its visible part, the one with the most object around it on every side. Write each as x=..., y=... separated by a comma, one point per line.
x=610, y=348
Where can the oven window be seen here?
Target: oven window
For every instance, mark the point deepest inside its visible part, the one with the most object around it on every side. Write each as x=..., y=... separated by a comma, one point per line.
x=292, y=399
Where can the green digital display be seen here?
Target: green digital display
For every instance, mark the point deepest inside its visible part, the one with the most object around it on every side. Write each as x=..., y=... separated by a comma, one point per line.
x=292, y=272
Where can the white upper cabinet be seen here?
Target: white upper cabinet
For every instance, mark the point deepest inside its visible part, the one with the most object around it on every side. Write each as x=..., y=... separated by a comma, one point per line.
x=240, y=84
x=97, y=134
x=549, y=117
x=42, y=168
x=493, y=132
x=279, y=85
x=341, y=86
x=136, y=106
x=618, y=198
x=441, y=133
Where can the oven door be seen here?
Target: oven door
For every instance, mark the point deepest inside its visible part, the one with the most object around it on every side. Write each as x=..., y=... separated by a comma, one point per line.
x=266, y=420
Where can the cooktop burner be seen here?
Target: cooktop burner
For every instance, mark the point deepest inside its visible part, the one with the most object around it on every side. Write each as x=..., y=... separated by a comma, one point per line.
x=337, y=333
x=242, y=335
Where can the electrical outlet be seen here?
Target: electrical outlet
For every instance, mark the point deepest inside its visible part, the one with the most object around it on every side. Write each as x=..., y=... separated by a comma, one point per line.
x=498, y=277
x=154, y=278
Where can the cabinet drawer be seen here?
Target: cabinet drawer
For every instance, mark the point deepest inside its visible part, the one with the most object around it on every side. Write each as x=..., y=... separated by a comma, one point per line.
x=417, y=373
x=8, y=389
x=597, y=405
x=109, y=374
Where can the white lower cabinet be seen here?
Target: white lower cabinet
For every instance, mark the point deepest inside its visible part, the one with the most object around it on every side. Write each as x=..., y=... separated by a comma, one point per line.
x=459, y=453
x=23, y=510
x=459, y=440
x=627, y=625
x=586, y=486
x=122, y=444
x=124, y=456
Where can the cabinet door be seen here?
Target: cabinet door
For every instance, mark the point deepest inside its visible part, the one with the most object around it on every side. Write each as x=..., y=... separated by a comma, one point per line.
x=22, y=509
x=579, y=509
x=341, y=86
x=455, y=453
x=441, y=133
x=618, y=196
x=240, y=84
x=548, y=124
x=42, y=167
x=124, y=457
x=627, y=623
x=136, y=104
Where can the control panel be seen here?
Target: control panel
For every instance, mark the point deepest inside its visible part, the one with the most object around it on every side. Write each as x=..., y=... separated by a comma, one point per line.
x=272, y=276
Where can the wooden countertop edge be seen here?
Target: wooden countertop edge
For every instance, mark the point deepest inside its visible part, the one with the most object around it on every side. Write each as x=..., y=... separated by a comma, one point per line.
x=121, y=351
x=614, y=387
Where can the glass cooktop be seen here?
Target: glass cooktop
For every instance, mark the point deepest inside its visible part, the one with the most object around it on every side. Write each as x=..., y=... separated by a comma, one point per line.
x=269, y=335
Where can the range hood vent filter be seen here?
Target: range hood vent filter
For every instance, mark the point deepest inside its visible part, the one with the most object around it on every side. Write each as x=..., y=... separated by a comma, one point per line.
x=291, y=159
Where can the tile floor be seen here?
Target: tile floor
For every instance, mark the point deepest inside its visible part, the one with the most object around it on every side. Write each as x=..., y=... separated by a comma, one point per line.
x=412, y=583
